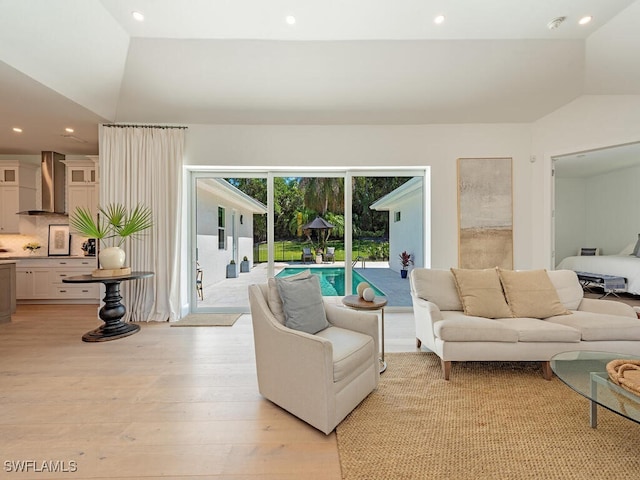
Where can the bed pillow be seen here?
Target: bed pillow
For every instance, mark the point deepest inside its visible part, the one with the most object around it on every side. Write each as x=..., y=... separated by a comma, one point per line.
x=636, y=249
x=531, y=294
x=481, y=293
x=628, y=250
x=273, y=299
x=302, y=304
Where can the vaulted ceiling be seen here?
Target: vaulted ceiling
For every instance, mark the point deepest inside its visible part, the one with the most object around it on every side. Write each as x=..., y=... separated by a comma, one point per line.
x=77, y=63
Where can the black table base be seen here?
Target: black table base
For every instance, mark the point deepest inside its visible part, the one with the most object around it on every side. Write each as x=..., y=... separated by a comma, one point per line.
x=113, y=310
x=111, y=314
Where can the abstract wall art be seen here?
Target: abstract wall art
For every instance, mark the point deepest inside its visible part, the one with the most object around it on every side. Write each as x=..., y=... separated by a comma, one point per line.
x=485, y=213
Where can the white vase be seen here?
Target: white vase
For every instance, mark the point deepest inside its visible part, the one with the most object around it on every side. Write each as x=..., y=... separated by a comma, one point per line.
x=111, y=258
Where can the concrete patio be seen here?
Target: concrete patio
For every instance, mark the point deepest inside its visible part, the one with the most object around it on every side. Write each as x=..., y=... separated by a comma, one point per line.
x=231, y=294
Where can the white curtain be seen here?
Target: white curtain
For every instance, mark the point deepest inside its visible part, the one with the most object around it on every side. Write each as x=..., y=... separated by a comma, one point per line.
x=143, y=165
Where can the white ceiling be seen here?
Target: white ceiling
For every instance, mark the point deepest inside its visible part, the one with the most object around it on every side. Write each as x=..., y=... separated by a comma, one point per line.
x=81, y=62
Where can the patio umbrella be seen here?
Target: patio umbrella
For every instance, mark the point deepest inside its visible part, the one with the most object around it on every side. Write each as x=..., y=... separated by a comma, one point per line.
x=321, y=225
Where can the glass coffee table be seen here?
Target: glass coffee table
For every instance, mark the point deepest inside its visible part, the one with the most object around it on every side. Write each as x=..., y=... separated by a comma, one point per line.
x=586, y=373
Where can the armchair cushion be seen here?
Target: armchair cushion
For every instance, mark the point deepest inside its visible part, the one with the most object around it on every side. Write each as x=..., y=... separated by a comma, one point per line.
x=351, y=350
x=302, y=304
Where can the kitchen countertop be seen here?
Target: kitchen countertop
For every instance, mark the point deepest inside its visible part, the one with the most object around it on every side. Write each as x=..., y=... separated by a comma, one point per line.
x=4, y=261
x=40, y=257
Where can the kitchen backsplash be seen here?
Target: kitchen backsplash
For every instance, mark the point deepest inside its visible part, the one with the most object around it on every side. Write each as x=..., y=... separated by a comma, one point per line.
x=38, y=231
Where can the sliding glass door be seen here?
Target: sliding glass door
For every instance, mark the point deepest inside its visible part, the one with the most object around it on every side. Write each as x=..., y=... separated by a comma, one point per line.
x=346, y=226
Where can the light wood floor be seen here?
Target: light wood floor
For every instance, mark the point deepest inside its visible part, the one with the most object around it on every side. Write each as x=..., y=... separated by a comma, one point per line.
x=165, y=403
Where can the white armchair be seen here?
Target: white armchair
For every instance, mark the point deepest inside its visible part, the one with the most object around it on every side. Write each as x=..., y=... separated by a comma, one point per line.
x=318, y=378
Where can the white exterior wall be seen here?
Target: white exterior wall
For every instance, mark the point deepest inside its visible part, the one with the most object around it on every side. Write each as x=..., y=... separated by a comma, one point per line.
x=213, y=260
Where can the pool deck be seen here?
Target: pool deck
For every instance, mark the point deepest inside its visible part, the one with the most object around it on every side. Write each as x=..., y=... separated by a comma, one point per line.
x=232, y=294
x=396, y=289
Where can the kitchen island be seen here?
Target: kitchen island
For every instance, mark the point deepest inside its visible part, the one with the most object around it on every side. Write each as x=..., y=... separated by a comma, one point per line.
x=7, y=289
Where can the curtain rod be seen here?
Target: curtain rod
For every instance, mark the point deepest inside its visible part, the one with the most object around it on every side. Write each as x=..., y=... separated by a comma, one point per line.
x=125, y=125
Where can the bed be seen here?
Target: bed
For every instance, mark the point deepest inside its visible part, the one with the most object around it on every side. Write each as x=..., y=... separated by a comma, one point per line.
x=622, y=265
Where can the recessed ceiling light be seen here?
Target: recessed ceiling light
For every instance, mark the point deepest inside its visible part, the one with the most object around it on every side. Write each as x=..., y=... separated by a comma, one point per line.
x=585, y=20
x=69, y=130
x=17, y=129
x=290, y=19
x=138, y=16
x=439, y=19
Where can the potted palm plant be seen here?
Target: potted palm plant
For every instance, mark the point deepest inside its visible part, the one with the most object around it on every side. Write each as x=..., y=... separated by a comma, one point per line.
x=405, y=260
x=112, y=226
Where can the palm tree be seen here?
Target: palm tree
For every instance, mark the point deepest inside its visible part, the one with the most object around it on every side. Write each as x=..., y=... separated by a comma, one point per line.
x=323, y=194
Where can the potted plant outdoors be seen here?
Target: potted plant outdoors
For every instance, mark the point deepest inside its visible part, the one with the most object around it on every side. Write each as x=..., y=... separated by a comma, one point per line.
x=244, y=265
x=232, y=271
x=113, y=225
x=405, y=260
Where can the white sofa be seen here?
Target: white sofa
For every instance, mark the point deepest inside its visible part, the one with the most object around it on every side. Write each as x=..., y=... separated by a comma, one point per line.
x=441, y=325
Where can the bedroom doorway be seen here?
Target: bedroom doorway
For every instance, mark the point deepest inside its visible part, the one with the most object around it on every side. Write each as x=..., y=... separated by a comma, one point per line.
x=594, y=197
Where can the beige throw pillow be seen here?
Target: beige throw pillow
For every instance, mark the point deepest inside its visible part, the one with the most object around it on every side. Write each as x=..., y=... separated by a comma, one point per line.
x=481, y=293
x=530, y=293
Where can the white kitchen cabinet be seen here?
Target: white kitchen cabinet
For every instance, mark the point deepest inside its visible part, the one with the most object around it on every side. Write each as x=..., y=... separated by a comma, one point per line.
x=9, y=175
x=82, y=175
x=32, y=283
x=85, y=196
x=82, y=185
x=39, y=280
x=81, y=172
x=17, y=193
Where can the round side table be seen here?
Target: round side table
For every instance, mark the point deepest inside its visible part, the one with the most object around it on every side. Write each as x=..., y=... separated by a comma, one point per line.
x=378, y=303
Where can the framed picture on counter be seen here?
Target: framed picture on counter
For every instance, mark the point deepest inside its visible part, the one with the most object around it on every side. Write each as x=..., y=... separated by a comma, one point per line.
x=59, y=240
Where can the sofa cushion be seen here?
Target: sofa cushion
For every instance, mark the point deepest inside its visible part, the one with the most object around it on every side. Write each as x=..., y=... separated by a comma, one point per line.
x=598, y=326
x=530, y=293
x=567, y=287
x=481, y=293
x=463, y=328
x=302, y=304
x=436, y=286
x=274, y=300
x=536, y=330
x=350, y=349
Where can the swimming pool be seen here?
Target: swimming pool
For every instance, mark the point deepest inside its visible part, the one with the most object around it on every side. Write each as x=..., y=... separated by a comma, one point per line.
x=331, y=279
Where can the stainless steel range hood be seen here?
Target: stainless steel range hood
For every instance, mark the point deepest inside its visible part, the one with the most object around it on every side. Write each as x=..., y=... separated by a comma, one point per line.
x=53, y=185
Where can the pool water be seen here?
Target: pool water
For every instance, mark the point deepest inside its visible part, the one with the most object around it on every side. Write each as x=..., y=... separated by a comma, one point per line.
x=331, y=279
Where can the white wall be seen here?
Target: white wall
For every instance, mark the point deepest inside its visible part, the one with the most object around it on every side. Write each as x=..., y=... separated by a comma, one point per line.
x=396, y=146
x=590, y=122
x=613, y=218
x=571, y=217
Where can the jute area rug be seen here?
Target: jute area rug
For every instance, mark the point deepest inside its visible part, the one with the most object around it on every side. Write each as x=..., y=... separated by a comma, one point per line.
x=207, y=320
x=492, y=420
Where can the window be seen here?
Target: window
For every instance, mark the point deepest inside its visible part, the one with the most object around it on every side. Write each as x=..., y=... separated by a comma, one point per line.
x=396, y=216
x=222, y=237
